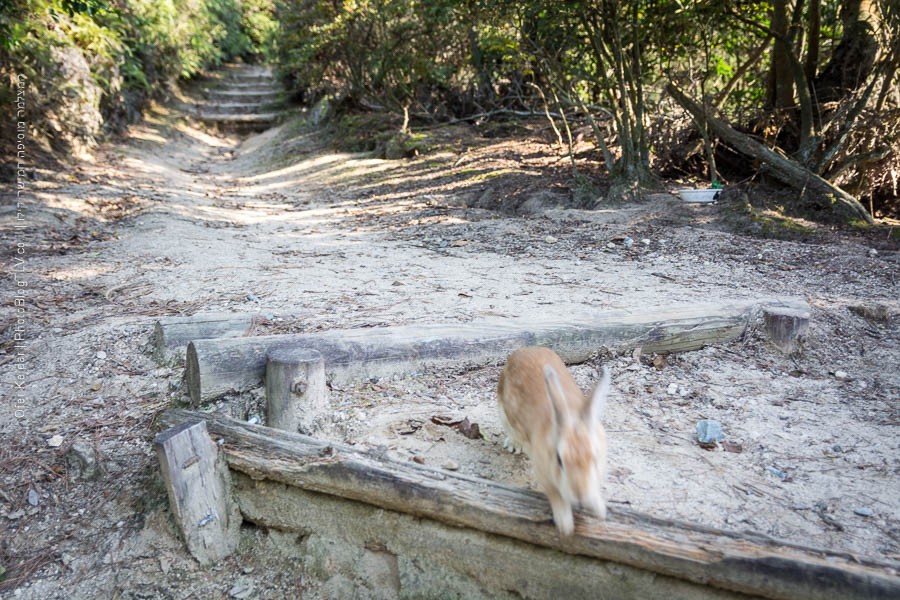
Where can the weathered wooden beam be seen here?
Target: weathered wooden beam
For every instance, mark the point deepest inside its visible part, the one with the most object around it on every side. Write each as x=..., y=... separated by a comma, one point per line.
x=171, y=334
x=744, y=563
x=216, y=366
x=199, y=489
x=296, y=394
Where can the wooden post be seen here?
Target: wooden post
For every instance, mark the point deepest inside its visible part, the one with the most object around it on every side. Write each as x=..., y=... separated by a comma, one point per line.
x=296, y=398
x=199, y=488
x=786, y=326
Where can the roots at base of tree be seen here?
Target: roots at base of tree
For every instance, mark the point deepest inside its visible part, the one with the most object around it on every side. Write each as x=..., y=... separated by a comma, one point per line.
x=784, y=169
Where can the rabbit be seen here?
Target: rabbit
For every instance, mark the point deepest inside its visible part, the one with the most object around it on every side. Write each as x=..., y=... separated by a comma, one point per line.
x=544, y=413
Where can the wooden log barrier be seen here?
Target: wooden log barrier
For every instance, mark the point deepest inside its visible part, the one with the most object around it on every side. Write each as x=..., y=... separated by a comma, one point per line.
x=199, y=489
x=296, y=396
x=171, y=334
x=216, y=366
x=744, y=563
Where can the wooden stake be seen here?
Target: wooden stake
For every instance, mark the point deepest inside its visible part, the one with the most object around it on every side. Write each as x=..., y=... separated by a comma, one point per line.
x=199, y=488
x=296, y=397
x=786, y=326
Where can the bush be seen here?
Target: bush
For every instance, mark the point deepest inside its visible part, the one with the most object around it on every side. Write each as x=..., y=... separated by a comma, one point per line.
x=91, y=64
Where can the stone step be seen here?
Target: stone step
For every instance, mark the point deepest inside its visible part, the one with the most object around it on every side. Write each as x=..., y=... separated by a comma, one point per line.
x=247, y=122
x=237, y=108
x=261, y=86
x=225, y=96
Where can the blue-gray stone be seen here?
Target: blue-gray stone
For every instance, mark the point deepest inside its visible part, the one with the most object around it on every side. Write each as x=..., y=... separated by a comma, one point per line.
x=863, y=511
x=777, y=472
x=709, y=431
x=33, y=498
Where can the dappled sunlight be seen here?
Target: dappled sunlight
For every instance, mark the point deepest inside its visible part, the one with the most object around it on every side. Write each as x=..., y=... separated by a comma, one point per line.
x=81, y=272
x=147, y=135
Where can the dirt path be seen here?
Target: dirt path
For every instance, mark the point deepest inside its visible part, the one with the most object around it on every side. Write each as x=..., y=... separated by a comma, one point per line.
x=176, y=219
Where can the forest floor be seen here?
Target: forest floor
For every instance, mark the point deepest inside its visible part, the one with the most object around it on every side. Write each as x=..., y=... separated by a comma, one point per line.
x=175, y=218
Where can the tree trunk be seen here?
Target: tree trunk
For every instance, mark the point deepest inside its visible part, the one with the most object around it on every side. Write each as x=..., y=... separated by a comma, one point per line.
x=783, y=168
x=781, y=80
x=853, y=59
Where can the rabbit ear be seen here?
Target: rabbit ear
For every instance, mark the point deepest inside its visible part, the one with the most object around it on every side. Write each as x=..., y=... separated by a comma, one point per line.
x=556, y=395
x=598, y=401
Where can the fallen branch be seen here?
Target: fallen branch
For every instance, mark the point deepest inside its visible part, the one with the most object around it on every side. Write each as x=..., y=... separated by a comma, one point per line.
x=782, y=167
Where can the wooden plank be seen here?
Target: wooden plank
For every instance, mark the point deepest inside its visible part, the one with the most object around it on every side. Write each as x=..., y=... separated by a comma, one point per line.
x=199, y=489
x=218, y=366
x=749, y=564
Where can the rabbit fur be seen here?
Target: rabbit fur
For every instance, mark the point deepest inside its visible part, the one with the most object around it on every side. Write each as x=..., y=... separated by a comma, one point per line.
x=544, y=413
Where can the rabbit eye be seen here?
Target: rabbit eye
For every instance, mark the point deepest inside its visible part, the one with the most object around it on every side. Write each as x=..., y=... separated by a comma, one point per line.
x=559, y=460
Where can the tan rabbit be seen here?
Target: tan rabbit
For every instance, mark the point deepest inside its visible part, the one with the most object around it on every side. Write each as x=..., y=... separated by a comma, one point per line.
x=545, y=414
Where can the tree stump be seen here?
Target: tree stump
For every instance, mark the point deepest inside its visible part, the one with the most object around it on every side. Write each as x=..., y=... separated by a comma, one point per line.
x=199, y=488
x=296, y=397
x=786, y=326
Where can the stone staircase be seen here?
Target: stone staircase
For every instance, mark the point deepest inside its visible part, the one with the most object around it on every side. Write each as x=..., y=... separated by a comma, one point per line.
x=241, y=97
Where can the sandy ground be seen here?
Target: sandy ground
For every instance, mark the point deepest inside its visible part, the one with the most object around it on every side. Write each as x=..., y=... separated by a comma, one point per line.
x=176, y=219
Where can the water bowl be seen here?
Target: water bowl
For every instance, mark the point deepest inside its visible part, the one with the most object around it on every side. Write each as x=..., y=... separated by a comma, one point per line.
x=710, y=195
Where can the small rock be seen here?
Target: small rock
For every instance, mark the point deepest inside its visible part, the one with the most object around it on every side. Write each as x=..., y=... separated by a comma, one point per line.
x=842, y=375
x=101, y=354
x=550, y=239
x=56, y=441
x=82, y=460
x=709, y=432
x=242, y=589
x=610, y=245
x=418, y=459
x=872, y=311
x=15, y=515
x=628, y=242
x=837, y=449
x=873, y=252
x=734, y=447
x=645, y=242
x=254, y=420
x=450, y=465
x=672, y=389
x=96, y=387
x=863, y=511
x=33, y=498
x=252, y=297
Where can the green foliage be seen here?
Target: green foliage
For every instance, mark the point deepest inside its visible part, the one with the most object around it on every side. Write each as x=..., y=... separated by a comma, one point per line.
x=90, y=61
